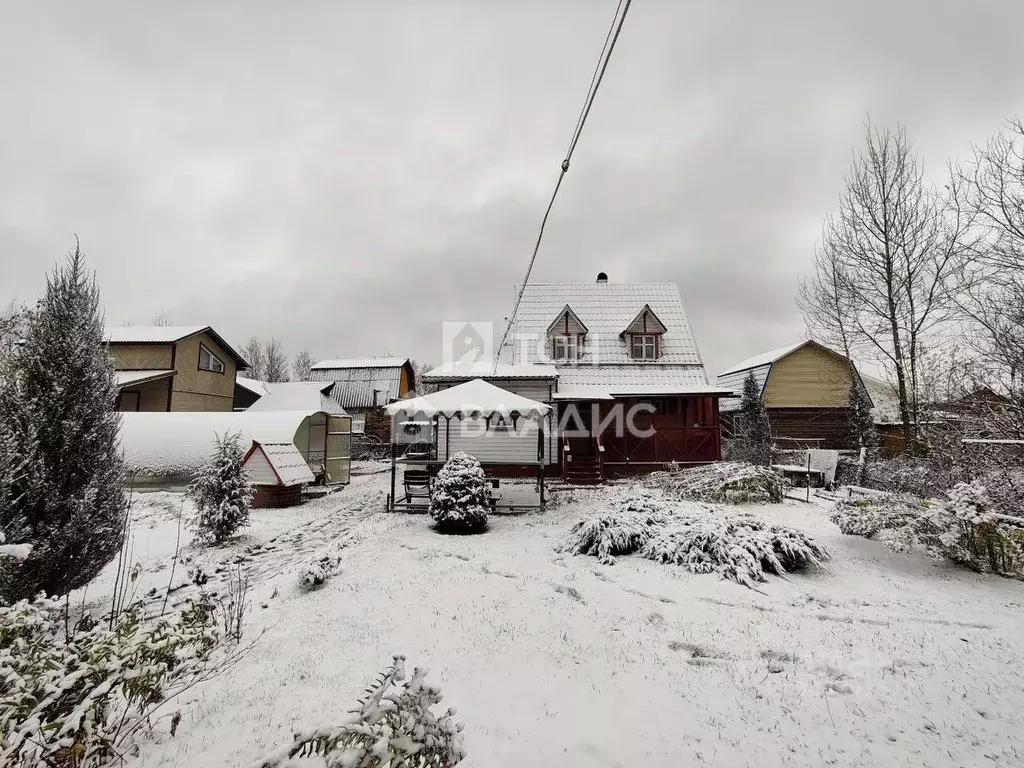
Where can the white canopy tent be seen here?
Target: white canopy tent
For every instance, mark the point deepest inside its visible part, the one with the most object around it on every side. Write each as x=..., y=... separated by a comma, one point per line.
x=498, y=439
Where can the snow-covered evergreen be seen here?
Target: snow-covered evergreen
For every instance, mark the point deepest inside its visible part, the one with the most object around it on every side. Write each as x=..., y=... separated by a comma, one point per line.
x=624, y=527
x=458, y=495
x=221, y=492
x=64, y=493
x=752, y=438
x=860, y=421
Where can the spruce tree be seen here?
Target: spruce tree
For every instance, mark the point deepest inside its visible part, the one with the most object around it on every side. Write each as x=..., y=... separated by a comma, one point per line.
x=860, y=420
x=459, y=501
x=754, y=432
x=65, y=495
x=222, y=492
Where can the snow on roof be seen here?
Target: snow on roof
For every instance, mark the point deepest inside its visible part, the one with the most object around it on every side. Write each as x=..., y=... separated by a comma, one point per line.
x=124, y=378
x=491, y=371
x=884, y=398
x=255, y=386
x=298, y=396
x=476, y=397
x=637, y=379
x=361, y=362
x=765, y=358
x=606, y=309
x=151, y=334
x=284, y=459
x=176, y=444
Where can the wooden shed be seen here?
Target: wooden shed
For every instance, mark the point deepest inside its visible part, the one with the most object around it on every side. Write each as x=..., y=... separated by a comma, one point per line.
x=278, y=471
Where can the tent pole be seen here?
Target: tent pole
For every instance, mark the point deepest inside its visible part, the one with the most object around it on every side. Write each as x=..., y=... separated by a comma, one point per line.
x=392, y=509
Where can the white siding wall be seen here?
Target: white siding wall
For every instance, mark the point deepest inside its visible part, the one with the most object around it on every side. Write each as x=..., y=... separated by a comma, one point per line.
x=514, y=446
x=535, y=389
x=259, y=469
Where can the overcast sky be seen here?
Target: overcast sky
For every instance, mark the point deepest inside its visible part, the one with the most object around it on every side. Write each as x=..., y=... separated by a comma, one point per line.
x=347, y=178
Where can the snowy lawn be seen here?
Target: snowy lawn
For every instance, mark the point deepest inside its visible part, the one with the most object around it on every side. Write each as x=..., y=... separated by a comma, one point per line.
x=554, y=660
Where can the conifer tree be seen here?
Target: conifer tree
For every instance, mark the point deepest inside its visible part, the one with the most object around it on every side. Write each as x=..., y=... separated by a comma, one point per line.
x=754, y=430
x=222, y=492
x=860, y=421
x=64, y=495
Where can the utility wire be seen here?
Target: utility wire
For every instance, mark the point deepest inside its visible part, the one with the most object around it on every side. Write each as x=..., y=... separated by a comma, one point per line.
x=595, y=82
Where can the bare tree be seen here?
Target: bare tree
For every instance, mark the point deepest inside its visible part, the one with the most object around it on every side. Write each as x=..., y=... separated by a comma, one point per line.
x=257, y=359
x=161, y=319
x=885, y=274
x=302, y=365
x=276, y=361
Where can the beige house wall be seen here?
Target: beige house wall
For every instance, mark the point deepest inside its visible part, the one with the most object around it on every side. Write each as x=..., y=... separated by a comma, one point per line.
x=152, y=395
x=142, y=357
x=810, y=377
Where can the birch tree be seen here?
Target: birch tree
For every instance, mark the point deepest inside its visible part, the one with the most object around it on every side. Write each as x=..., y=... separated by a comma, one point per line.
x=885, y=276
x=254, y=355
x=302, y=365
x=276, y=361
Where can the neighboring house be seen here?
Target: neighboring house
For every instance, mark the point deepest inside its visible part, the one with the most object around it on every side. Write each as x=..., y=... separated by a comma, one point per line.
x=173, y=368
x=806, y=391
x=248, y=391
x=298, y=396
x=364, y=385
x=594, y=350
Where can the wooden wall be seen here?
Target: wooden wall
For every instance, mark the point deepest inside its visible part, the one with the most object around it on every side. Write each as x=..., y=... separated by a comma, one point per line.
x=196, y=390
x=142, y=357
x=825, y=424
x=810, y=377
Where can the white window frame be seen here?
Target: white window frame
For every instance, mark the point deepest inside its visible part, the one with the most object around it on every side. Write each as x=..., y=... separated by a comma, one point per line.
x=567, y=344
x=214, y=360
x=644, y=346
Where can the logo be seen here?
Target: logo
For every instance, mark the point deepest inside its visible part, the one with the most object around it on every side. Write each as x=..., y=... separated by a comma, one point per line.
x=465, y=344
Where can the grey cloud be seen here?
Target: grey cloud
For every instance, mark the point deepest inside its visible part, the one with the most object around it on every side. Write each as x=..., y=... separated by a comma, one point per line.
x=347, y=175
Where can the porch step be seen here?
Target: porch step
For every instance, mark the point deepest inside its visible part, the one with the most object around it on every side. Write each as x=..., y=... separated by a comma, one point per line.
x=583, y=471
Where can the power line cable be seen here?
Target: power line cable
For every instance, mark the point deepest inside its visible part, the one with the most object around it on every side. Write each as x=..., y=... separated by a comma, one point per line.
x=595, y=82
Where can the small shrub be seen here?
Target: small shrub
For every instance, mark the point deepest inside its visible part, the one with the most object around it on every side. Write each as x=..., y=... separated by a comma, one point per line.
x=739, y=548
x=458, y=496
x=733, y=483
x=76, y=697
x=393, y=726
x=623, y=528
x=221, y=492
x=318, y=570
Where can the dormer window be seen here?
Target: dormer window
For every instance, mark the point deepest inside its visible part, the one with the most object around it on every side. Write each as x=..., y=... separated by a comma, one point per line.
x=566, y=336
x=565, y=347
x=209, y=361
x=643, y=335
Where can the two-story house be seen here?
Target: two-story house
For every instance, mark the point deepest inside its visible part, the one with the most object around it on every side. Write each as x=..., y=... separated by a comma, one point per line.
x=620, y=365
x=173, y=368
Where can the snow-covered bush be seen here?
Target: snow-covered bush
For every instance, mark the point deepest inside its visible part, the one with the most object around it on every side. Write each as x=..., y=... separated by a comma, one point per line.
x=221, y=492
x=392, y=727
x=737, y=547
x=458, y=496
x=318, y=570
x=965, y=530
x=921, y=476
x=731, y=482
x=77, y=697
x=703, y=539
x=623, y=528
x=64, y=494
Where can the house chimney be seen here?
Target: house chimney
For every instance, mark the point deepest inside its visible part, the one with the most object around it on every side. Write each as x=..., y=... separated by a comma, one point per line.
x=602, y=277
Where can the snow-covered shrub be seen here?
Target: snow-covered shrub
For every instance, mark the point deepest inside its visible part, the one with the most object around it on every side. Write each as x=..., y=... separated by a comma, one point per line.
x=77, y=698
x=392, y=727
x=318, y=570
x=701, y=538
x=732, y=482
x=926, y=477
x=736, y=547
x=221, y=492
x=64, y=495
x=459, y=500
x=965, y=530
x=624, y=527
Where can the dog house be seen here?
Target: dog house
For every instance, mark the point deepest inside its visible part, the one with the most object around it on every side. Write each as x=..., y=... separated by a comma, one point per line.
x=167, y=448
x=278, y=472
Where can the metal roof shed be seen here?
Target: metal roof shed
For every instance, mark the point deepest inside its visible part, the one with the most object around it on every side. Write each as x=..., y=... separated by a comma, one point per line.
x=278, y=471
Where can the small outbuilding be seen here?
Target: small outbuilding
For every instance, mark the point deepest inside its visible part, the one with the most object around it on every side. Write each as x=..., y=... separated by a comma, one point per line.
x=278, y=471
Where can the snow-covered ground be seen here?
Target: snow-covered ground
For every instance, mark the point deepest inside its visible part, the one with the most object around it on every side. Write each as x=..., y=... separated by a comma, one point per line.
x=555, y=660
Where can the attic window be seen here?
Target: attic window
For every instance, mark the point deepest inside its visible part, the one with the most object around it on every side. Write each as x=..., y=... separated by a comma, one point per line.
x=209, y=361
x=565, y=347
x=644, y=346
